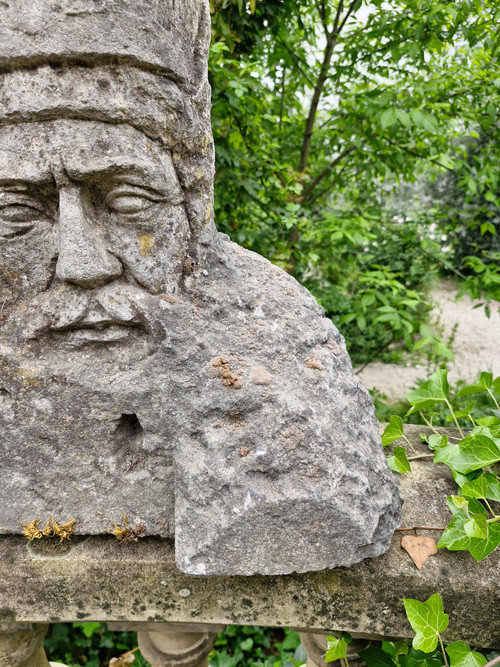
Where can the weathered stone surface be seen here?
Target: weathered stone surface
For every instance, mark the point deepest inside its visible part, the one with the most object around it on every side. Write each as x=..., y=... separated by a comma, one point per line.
x=97, y=578
x=155, y=378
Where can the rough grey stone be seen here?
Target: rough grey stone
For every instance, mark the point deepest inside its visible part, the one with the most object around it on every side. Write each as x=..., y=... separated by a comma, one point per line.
x=155, y=378
x=97, y=578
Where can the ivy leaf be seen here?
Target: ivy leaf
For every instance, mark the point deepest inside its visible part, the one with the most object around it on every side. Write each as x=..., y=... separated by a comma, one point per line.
x=399, y=462
x=435, y=390
x=337, y=648
x=428, y=621
x=461, y=656
x=455, y=538
x=482, y=385
x=459, y=503
x=393, y=431
x=473, y=452
x=434, y=441
x=419, y=659
x=484, y=486
x=395, y=648
x=476, y=526
x=376, y=657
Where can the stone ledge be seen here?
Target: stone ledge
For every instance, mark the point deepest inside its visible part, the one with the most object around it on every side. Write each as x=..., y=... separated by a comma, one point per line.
x=97, y=578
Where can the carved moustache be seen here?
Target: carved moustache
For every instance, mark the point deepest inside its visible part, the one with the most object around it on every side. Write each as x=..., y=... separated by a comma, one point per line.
x=109, y=313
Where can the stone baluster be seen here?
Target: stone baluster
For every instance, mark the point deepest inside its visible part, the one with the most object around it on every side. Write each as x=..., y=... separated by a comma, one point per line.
x=21, y=645
x=173, y=644
x=315, y=645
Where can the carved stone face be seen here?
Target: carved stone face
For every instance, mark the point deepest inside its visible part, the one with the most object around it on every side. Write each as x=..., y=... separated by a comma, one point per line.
x=93, y=214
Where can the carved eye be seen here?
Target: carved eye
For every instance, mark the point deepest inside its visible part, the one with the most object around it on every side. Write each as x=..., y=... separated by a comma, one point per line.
x=18, y=213
x=128, y=199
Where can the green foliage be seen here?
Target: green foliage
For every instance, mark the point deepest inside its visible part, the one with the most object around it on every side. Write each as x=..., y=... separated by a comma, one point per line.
x=461, y=656
x=337, y=646
x=320, y=111
x=89, y=644
x=428, y=621
x=93, y=645
x=474, y=459
x=249, y=646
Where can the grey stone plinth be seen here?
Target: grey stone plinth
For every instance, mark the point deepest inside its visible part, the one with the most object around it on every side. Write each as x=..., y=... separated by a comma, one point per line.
x=99, y=579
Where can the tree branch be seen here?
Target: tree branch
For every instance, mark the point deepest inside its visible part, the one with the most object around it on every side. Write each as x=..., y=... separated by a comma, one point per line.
x=348, y=14
x=296, y=60
x=312, y=185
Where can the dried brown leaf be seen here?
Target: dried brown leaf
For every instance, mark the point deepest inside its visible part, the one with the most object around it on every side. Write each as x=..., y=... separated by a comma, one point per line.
x=419, y=548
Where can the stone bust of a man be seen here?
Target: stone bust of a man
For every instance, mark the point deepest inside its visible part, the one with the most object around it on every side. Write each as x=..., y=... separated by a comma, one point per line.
x=154, y=375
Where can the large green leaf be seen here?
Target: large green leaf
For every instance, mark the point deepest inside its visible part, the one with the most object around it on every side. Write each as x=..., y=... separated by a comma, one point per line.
x=482, y=385
x=428, y=621
x=435, y=390
x=462, y=656
x=374, y=656
x=484, y=486
x=471, y=453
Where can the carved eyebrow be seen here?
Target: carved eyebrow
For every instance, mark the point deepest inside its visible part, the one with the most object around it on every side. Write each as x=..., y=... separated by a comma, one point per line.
x=144, y=175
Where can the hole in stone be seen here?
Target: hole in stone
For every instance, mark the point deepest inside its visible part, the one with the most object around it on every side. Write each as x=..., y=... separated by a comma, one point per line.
x=129, y=436
x=129, y=429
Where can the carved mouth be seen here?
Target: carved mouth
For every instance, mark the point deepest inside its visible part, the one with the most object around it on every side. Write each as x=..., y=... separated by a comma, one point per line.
x=96, y=332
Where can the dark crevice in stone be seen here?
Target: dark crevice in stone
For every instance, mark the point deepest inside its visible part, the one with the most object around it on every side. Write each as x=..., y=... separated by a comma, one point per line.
x=128, y=437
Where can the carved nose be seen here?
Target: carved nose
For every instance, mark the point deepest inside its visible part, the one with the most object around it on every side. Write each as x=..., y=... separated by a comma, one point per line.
x=83, y=259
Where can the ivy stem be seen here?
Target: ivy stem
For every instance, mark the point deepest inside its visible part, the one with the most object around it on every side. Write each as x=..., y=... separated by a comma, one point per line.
x=454, y=417
x=471, y=418
x=421, y=456
x=427, y=422
x=489, y=506
x=493, y=398
x=409, y=443
x=496, y=518
x=443, y=651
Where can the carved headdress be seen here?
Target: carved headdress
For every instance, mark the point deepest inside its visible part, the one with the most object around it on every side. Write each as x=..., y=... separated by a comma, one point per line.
x=117, y=61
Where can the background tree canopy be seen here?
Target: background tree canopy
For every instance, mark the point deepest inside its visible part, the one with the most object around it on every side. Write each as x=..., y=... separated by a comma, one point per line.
x=357, y=146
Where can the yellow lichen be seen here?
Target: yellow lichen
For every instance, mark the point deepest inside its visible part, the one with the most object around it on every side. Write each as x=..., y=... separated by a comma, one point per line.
x=31, y=530
x=63, y=531
x=52, y=529
x=146, y=242
x=122, y=533
x=47, y=531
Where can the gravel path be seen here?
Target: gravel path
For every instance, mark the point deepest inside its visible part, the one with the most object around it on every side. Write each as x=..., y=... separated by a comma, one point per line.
x=476, y=346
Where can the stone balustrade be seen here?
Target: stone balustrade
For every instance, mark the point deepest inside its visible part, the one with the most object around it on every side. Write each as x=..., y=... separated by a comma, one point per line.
x=136, y=585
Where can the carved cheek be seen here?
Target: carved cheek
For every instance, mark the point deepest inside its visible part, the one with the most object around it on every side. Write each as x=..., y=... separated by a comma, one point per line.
x=27, y=262
x=154, y=252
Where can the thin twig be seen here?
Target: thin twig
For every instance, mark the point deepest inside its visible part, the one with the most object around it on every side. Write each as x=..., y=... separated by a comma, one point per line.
x=406, y=528
x=495, y=661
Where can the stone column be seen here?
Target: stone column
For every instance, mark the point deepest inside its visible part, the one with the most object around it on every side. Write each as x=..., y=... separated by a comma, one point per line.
x=21, y=645
x=173, y=644
x=315, y=645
